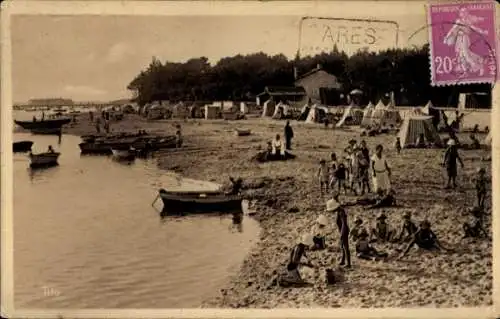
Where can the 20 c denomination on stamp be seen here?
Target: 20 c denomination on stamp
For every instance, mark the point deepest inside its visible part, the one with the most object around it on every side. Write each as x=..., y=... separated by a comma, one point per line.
x=462, y=43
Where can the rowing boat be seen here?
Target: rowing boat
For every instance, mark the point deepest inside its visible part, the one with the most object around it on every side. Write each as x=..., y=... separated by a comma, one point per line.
x=44, y=159
x=199, y=202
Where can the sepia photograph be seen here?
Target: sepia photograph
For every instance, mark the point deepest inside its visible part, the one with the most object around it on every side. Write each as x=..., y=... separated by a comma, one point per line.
x=249, y=156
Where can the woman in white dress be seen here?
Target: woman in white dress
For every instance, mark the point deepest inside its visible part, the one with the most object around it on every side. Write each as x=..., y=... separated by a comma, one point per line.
x=381, y=171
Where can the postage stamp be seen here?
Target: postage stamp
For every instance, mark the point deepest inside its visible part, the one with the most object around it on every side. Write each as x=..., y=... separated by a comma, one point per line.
x=462, y=43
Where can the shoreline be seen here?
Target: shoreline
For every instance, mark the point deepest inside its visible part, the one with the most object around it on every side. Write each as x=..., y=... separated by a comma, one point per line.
x=288, y=203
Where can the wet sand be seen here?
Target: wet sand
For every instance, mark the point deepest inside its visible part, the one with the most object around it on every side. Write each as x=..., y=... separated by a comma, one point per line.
x=288, y=201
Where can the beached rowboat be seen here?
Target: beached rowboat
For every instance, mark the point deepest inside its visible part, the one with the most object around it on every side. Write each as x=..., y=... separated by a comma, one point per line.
x=45, y=124
x=199, y=202
x=44, y=159
x=22, y=146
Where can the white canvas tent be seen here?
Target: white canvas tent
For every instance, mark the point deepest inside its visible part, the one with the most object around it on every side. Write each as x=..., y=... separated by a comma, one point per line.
x=414, y=126
x=281, y=110
x=268, y=109
x=385, y=116
x=212, y=111
x=316, y=113
x=352, y=116
x=367, y=115
x=304, y=112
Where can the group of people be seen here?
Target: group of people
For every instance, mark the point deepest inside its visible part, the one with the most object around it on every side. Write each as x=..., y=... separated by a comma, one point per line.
x=409, y=233
x=351, y=172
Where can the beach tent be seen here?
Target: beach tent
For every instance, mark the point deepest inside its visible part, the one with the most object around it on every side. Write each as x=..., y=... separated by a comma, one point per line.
x=352, y=116
x=413, y=126
x=487, y=139
x=268, y=109
x=385, y=116
x=195, y=111
x=243, y=108
x=367, y=115
x=317, y=114
x=281, y=111
x=212, y=112
x=304, y=112
x=180, y=110
x=437, y=119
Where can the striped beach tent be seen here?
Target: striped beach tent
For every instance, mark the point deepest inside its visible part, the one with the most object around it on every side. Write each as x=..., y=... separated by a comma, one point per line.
x=414, y=126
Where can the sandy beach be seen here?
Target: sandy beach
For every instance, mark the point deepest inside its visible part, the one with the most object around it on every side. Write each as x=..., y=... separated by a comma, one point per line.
x=287, y=202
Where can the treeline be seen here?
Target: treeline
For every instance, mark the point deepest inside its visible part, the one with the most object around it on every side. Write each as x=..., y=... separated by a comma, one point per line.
x=403, y=71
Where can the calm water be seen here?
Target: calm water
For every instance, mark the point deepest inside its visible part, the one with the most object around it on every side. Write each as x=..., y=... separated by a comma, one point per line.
x=85, y=235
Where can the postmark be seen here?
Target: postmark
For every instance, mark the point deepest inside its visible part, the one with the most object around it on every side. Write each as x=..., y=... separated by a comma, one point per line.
x=319, y=34
x=462, y=42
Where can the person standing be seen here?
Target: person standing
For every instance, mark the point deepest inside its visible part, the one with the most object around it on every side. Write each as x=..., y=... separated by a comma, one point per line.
x=450, y=159
x=333, y=206
x=364, y=167
x=288, y=136
x=381, y=171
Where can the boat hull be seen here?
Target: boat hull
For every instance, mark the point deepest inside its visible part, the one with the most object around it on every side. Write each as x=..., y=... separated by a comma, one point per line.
x=23, y=146
x=45, y=124
x=46, y=131
x=44, y=160
x=175, y=203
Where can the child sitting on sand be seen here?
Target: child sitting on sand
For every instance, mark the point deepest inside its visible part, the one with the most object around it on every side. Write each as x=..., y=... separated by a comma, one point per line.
x=475, y=142
x=481, y=183
x=357, y=229
x=323, y=176
x=319, y=233
x=277, y=146
x=382, y=232
x=408, y=228
x=424, y=238
x=365, y=251
x=475, y=229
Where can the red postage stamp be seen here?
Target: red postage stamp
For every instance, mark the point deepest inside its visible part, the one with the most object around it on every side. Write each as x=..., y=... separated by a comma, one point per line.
x=462, y=43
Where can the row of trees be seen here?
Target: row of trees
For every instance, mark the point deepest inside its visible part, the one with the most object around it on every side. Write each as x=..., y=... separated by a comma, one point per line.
x=241, y=77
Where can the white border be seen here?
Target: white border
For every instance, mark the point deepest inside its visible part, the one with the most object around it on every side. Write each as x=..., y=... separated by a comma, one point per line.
x=190, y=8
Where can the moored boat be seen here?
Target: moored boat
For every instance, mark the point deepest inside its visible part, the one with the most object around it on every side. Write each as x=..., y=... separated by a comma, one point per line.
x=43, y=124
x=44, y=159
x=175, y=203
x=22, y=146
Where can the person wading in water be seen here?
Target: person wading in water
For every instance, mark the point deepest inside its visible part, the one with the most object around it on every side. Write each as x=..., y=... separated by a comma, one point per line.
x=288, y=136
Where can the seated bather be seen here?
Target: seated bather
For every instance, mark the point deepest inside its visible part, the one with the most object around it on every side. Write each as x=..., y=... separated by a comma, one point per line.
x=357, y=229
x=475, y=229
x=408, y=228
x=382, y=231
x=50, y=149
x=384, y=199
x=365, y=251
x=319, y=233
x=475, y=142
x=424, y=238
x=278, y=149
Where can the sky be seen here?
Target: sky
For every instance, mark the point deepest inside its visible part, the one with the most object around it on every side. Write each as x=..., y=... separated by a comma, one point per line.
x=93, y=58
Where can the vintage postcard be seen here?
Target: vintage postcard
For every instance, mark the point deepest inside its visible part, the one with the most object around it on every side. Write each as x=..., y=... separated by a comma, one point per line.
x=249, y=159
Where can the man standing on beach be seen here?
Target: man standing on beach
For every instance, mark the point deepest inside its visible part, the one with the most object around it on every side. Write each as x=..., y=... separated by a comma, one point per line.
x=288, y=136
x=334, y=206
